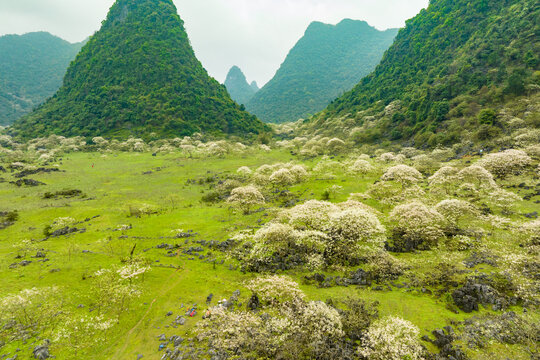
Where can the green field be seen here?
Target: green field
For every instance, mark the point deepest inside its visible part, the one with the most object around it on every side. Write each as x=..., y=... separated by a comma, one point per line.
x=113, y=184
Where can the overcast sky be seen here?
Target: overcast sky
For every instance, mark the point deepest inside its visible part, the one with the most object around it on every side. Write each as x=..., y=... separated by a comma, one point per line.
x=256, y=35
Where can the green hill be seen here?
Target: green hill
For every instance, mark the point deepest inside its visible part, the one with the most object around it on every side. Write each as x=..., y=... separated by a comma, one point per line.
x=238, y=87
x=32, y=68
x=327, y=61
x=449, y=74
x=138, y=76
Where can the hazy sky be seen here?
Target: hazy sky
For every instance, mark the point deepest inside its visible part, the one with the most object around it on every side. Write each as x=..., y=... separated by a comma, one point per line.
x=256, y=35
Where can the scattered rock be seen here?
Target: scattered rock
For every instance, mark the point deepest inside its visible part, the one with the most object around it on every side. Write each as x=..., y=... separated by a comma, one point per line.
x=360, y=277
x=27, y=172
x=64, y=231
x=64, y=194
x=42, y=352
x=468, y=297
x=253, y=303
x=482, y=257
x=27, y=182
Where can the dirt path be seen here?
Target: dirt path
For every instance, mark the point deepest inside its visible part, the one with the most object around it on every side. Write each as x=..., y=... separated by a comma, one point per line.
x=166, y=288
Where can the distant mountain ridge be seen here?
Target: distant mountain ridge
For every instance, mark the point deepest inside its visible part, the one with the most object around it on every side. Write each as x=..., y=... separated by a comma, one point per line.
x=327, y=61
x=447, y=75
x=32, y=67
x=236, y=83
x=138, y=76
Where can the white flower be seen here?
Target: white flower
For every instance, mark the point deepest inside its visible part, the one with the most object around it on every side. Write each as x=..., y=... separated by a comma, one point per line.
x=392, y=338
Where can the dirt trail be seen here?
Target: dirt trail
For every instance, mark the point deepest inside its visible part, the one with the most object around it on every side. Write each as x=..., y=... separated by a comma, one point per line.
x=166, y=288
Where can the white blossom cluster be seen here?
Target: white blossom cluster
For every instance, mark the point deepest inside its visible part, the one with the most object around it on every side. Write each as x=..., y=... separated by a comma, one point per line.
x=403, y=174
x=506, y=163
x=320, y=231
x=392, y=338
x=418, y=223
x=246, y=197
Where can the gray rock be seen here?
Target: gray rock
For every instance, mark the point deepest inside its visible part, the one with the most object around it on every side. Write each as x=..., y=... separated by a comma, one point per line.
x=41, y=352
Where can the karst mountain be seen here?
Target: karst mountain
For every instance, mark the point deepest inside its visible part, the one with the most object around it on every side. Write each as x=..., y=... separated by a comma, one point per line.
x=456, y=71
x=139, y=76
x=236, y=83
x=33, y=66
x=327, y=61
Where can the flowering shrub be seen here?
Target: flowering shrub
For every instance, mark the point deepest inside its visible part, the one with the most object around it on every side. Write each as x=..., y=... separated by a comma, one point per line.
x=361, y=166
x=444, y=178
x=282, y=177
x=382, y=266
x=28, y=312
x=246, y=197
x=503, y=199
x=335, y=145
x=275, y=289
x=316, y=233
x=387, y=157
x=455, y=210
x=417, y=226
x=478, y=176
x=403, y=174
x=299, y=172
x=313, y=215
x=292, y=329
x=505, y=163
x=113, y=289
x=392, y=338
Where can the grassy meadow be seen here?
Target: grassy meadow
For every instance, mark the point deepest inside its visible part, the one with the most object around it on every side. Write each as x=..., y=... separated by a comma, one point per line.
x=111, y=231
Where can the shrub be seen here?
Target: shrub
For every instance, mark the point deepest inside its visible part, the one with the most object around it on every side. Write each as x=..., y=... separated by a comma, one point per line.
x=454, y=210
x=503, y=199
x=353, y=232
x=445, y=178
x=505, y=163
x=28, y=312
x=244, y=171
x=417, y=227
x=383, y=267
x=392, y=338
x=357, y=318
x=316, y=234
x=332, y=191
x=335, y=145
x=275, y=289
x=246, y=197
x=479, y=176
x=361, y=167
x=312, y=215
x=282, y=177
x=299, y=172
x=403, y=174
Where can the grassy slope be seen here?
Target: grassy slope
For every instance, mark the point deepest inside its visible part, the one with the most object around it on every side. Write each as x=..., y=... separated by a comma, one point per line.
x=115, y=182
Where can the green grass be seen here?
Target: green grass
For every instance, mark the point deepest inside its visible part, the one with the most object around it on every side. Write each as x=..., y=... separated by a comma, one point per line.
x=112, y=183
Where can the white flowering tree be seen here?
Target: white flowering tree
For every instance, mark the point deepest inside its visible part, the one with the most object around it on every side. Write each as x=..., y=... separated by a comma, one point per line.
x=506, y=163
x=245, y=197
x=392, y=338
x=403, y=174
x=416, y=226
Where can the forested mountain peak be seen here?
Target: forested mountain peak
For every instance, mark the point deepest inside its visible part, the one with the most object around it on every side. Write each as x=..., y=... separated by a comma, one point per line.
x=139, y=76
x=33, y=66
x=327, y=61
x=241, y=91
x=454, y=64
